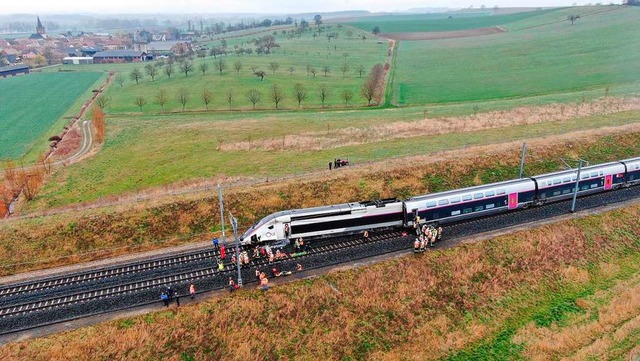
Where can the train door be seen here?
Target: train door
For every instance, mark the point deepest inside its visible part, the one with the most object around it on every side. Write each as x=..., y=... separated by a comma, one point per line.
x=608, y=182
x=513, y=200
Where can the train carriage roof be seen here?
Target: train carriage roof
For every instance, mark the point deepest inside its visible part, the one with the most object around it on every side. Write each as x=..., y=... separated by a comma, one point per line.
x=504, y=184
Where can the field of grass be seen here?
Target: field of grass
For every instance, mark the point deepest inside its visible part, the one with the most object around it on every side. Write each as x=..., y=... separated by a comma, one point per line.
x=568, y=289
x=32, y=104
x=450, y=21
x=555, y=57
x=297, y=53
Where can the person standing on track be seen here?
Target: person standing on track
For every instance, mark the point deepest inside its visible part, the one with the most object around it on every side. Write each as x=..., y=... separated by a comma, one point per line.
x=192, y=291
x=165, y=299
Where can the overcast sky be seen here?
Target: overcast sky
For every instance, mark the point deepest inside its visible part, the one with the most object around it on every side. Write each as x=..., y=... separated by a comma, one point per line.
x=251, y=6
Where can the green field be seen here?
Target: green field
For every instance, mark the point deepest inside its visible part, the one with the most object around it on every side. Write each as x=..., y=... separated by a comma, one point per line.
x=440, y=21
x=32, y=104
x=297, y=53
x=555, y=57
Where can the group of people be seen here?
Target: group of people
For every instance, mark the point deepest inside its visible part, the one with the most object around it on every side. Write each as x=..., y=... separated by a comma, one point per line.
x=169, y=294
x=427, y=235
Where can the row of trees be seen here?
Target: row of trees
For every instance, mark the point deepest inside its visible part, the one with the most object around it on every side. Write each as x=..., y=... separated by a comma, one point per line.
x=275, y=95
x=186, y=67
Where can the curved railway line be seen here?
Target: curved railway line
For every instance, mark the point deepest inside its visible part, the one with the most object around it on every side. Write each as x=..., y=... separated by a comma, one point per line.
x=45, y=301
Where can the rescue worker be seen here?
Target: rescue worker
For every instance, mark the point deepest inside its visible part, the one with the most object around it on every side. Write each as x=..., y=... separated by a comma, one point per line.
x=170, y=293
x=223, y=253
x=416, y=245
x=298, y=267
x=423, y=243
x=220, y=265
x=233, y=259
x=286, y=230
x=264, y=283
x=366, y=234
x=232, y=285
x=275, y=272
x=165, y=299
x=435, y=236
x=439, y=234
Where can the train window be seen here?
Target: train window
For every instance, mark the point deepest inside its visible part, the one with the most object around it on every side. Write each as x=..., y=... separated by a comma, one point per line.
x=584, y=176
x=501, y=191
x=455, y=200
x=478, y=208
x=490, y=194
x=466, y=198
x=637, y=166
x=594, y=174
x=549, y=183
x=557, y=181
x=556, y=193
x=566, y=180
x=566, y=191
x=489, y=206
x=594, y=185
x=455, y=213
x=431, y=204
x=443, y=202
x=478, y=196
x=467, y=210
x=601, y=173
x=573, y=178
x=271, y=227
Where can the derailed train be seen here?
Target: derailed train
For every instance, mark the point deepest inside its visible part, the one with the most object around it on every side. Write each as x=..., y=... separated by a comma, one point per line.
x=444, y=207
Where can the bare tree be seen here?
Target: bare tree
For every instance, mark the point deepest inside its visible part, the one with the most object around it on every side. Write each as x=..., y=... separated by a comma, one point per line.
x=254, y=96
x=360, y=70
x=151, y=71
x=300, y=93
x=140, y=101
x=162, y=98
x=376, y=30
x=346, y=95
x=135, y=75
x=220, y=64
x=274, y=66
x=237, y=66
x=186, y=66
x=261, y=74
x=323, y=93
x=183, y=97
x=326, y=70
x=368, y=91
x=573, y=18
x=276, y=94
x=203, y=67
x=207, y=97
x=230, y=95
x=168, y=70
x=120, y=80
x=102, y=101
x=313, y=71
x=291, y=70
x=344, y=69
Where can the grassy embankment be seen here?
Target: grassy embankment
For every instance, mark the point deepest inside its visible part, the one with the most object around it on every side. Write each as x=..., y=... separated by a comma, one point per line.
x=36, y=107
x=563, y=290
x=156, y=151
x=75, y=236
x=536, y=56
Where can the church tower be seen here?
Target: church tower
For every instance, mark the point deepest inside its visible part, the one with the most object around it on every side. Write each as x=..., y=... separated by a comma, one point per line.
x=40, y=28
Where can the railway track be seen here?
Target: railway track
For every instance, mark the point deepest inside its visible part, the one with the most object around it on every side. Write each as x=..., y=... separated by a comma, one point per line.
x=58, y=299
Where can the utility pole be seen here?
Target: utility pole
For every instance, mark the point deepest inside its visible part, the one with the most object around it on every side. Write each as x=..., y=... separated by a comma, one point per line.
x=522, y=158
x=224, y=240
x=234, y=223
x=575, y=190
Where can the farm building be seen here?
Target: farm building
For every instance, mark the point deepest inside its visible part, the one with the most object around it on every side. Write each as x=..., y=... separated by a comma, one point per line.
x=119, y=56
x=76, y=60
x=168, y=48
x=13, y=70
